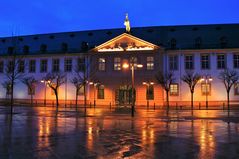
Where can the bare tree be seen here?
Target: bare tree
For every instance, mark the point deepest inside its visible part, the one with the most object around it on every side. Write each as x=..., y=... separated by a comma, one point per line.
x=191, y=79
x=14, y=69
x=30, y=82
x=229, y=78
x=77, y=82
x=165, y=80
x=82, y=75
x=55, y=80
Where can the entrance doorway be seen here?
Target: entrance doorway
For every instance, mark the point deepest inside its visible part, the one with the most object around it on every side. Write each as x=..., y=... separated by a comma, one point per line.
x=123, y=95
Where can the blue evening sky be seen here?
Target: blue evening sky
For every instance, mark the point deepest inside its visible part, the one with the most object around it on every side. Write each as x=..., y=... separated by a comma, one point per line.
x=23, y=17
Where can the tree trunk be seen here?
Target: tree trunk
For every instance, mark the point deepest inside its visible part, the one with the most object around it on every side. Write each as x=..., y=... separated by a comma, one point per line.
x=228, y=102
x=191, y=100
x=85, y=97
x=167, y=100
x=57, y=102
x=12, y=100
x=76, y=98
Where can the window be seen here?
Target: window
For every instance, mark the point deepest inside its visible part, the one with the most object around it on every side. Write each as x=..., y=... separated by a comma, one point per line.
x=25, y=49
x=43, y=65
x=188, y=62
x=81, y=64
x=133, y=60
x=117, y=63
x=173, y=62
x=1, y=66
x=31, y=92
x=236, y=88
x=236, y=60
x=206, y=88
x=205, y=61
x=221, y=62
x=10, y=50
x=173, y=43
x=173, y=90
x=101, y=93
x=223, y=42
x=150, y=92
x=21, y=66
x=198, y=43
x=43, y=48
x=150, y=63
x=101, y=64
x=10, y=66
x=32, y=66
x=64, y=47
x=55, y=65
x=68, y=65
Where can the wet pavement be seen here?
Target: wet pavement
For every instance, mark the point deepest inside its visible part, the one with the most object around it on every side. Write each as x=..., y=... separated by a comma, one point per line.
x=113, y=134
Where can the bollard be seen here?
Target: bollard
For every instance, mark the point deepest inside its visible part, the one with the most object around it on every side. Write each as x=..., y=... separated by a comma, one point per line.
x=180, y=107
x=147, y=104
x=110, y=105
x=199, y=105
x=176, y=106
x=154, y=106
x=90, y=104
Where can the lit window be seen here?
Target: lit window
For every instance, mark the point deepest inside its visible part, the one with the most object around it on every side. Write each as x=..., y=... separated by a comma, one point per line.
x=173, y=62
x=101, y=64
x=150, y=63
x=174, y=90
x=221, y=61
x=101, y=92
x=117, y=63
x=189, y=62
x=236, y=60
x=1, y=66
x=206, y=88
x=55, y=65
x=205, y=61
x=32, y=66
x=134, y=60
x=236, y=88
x=68, y=65
x=150, y=92
x=43, y=66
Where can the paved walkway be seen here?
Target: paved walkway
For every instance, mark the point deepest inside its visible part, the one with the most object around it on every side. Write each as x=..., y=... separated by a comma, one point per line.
x=108, y=134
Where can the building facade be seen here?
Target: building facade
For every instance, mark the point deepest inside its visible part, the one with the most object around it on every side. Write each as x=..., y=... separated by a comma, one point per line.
x=205, y=49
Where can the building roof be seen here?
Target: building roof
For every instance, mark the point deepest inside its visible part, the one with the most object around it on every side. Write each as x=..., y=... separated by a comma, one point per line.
x=170, y=37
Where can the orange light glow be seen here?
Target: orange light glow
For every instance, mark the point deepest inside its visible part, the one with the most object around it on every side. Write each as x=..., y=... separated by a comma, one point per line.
x=125, y=65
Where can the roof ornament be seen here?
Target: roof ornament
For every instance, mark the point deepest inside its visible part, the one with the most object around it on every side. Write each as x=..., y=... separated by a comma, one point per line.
x=127, y=23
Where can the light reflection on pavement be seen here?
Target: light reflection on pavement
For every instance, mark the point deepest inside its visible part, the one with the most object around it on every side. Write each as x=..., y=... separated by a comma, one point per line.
x=40, y=133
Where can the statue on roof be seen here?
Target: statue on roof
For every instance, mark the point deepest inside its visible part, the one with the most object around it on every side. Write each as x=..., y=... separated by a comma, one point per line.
x=127, y=23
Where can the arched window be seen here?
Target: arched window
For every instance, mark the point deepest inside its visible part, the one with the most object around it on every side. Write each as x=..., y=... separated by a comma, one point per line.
x=43, y=48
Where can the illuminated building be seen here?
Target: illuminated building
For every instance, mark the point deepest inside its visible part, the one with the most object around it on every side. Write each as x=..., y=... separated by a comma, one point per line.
x=206, y=49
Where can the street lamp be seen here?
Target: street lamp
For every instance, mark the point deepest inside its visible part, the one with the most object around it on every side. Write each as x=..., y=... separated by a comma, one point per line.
x=45, y=83
x=207, y=79
x=148, y=84
x=133, y=66
x=95, y=84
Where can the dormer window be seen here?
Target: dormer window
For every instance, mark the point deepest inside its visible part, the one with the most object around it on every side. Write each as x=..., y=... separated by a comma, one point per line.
x=198, y=43
x=43, y=48
x=84, y=46
x=64, y=47
x=173, y=43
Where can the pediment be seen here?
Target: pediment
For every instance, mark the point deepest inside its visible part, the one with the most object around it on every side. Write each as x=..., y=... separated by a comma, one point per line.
x=125, y=42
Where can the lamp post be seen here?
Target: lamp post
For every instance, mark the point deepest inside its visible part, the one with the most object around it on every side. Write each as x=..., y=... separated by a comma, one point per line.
x=45, y=83
x=125, y=66
x=95, y=84
x=207, y=79
x=147, y=92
